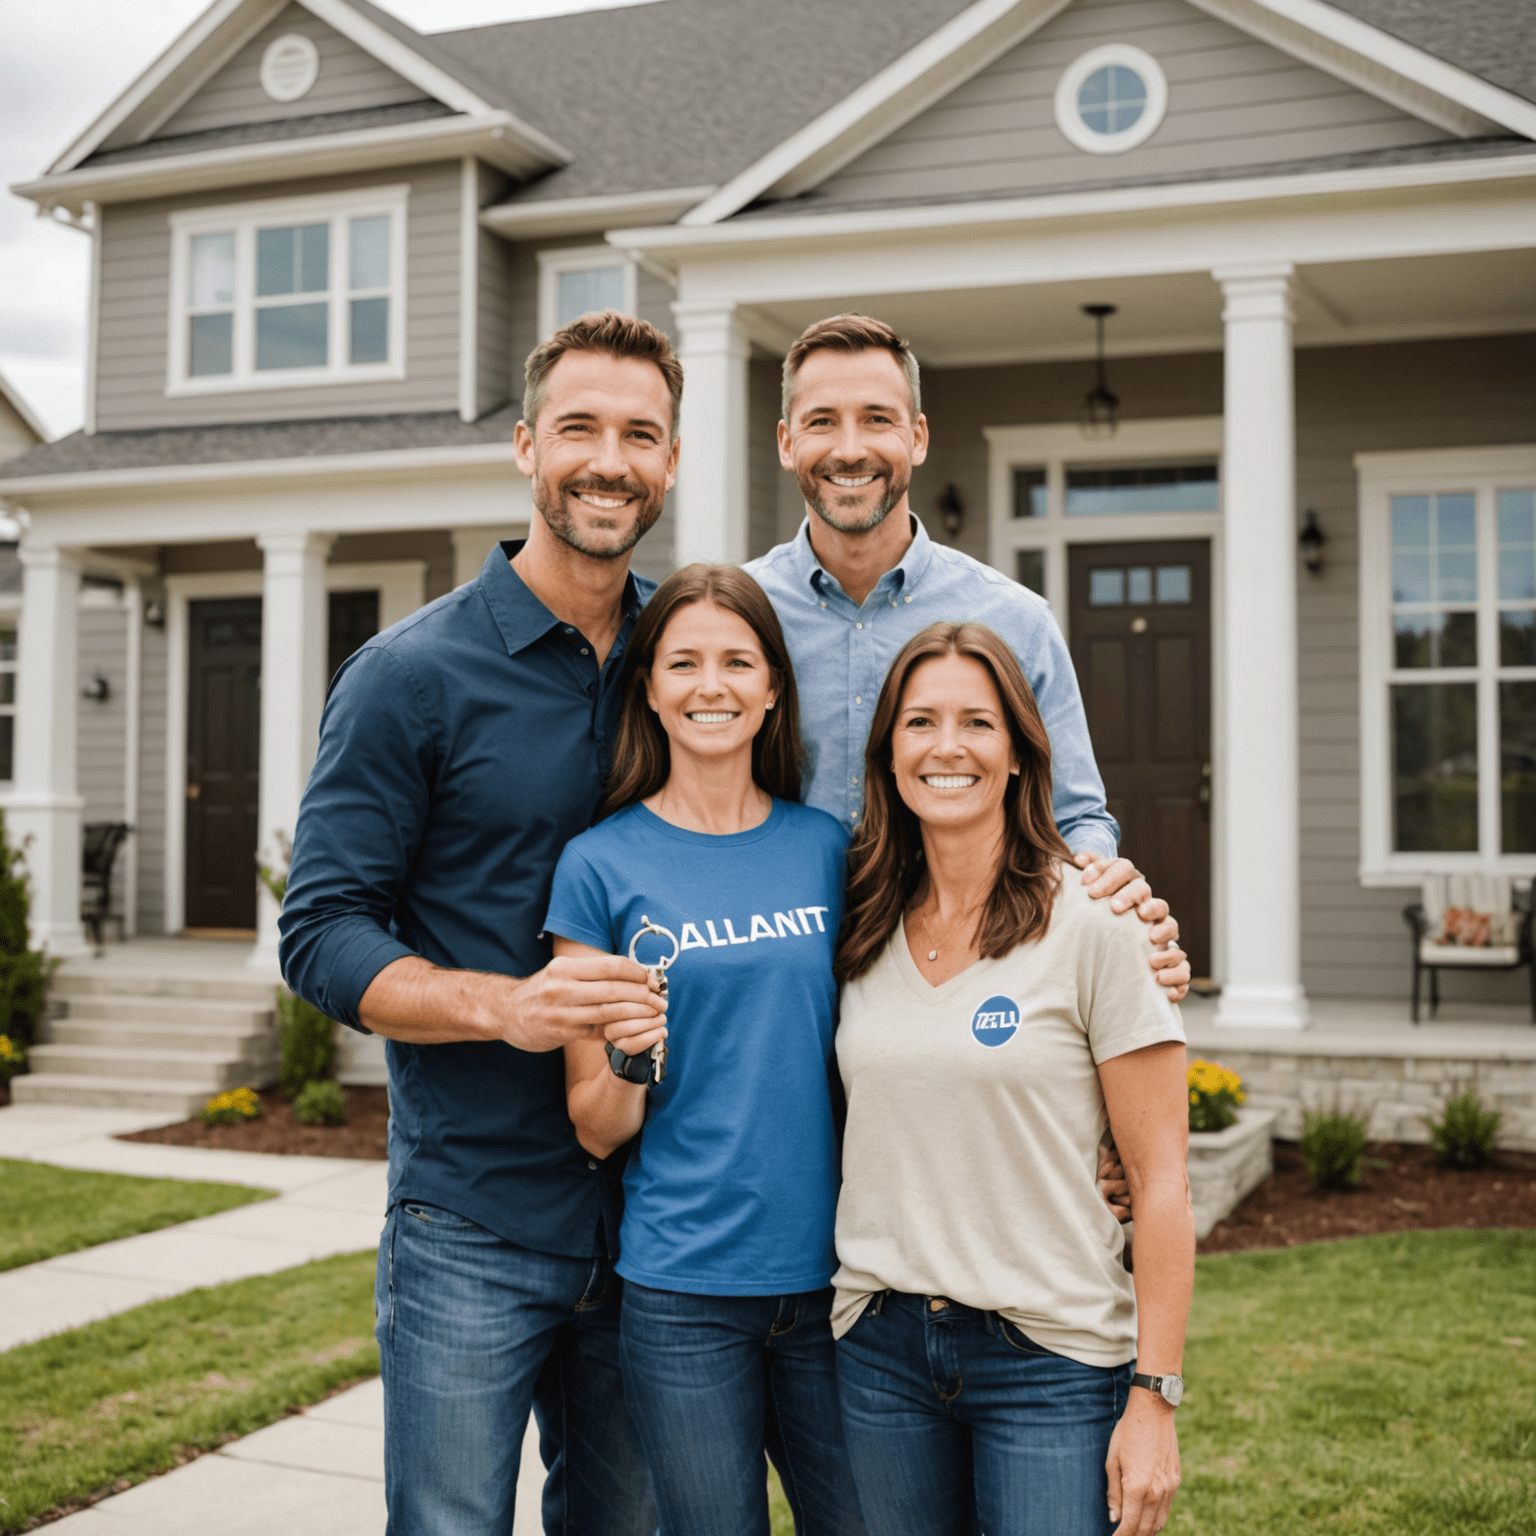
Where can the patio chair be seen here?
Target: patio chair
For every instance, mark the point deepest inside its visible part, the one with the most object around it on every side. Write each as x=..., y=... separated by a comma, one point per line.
x=1469, y=923
x=102, y=840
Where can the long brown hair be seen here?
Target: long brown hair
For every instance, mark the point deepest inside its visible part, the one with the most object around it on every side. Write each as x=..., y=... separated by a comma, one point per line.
x=642, y=755
x=885, y=861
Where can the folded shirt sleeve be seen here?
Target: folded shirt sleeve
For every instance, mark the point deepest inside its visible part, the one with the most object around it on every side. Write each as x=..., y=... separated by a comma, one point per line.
x=361, y=822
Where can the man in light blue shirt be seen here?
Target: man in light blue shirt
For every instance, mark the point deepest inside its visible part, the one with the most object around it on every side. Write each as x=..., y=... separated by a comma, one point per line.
x=862, y=577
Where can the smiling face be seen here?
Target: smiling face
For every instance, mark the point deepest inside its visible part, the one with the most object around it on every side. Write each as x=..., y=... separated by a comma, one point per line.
x=600, y=455
x=851, y=440
x=710, y=683
x=950, y=746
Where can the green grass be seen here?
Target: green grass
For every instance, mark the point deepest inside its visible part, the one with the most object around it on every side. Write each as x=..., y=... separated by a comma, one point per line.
x=125, y=1398
x=50, y=1210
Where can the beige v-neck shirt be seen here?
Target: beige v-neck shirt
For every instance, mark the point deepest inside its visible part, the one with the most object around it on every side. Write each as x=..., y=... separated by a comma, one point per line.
x=974, y=1121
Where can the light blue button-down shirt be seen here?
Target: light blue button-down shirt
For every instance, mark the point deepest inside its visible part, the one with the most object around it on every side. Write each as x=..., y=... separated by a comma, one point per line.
x=842, y=651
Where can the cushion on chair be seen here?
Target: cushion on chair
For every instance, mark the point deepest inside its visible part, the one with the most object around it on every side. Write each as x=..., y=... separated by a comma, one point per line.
x=1431, y=953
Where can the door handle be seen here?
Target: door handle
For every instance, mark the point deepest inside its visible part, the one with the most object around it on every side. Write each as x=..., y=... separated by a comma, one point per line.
x=1205, y=792
x=193, y=791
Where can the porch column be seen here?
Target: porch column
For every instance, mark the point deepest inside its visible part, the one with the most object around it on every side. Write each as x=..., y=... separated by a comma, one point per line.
x=45, y=805
x=1260, y=820
x=711, y=495
x=294, y=633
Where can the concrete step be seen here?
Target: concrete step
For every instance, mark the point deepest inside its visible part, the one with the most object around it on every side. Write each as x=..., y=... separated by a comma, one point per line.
x=170, y=1010
x=217, y=1039
x=77, y=979
x=176, y=1100
x=197, y=1069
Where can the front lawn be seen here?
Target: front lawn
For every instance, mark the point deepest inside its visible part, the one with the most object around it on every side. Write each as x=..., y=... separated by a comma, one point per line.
x=49, y=1211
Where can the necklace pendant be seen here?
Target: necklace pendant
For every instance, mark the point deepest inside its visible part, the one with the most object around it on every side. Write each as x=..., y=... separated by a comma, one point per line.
x=933, y=954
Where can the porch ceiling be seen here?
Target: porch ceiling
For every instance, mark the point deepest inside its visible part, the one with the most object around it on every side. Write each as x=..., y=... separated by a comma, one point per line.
x=1339, y=303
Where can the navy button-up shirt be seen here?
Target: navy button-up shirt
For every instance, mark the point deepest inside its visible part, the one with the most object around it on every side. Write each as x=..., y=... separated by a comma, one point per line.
x=842, y=651
x=460, y=751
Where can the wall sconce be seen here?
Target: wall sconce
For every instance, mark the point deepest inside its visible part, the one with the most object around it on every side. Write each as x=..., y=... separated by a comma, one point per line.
x=98, y=690
x=1311, y=541
x=1101, y=405
x=952, y=510
x=154, y=613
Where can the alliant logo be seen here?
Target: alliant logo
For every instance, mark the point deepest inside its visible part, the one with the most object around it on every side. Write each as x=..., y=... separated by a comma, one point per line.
x=997, y=1021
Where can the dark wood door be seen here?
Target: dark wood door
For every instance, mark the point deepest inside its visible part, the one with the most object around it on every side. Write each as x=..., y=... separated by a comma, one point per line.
x=223, y=761
x=1141, y=641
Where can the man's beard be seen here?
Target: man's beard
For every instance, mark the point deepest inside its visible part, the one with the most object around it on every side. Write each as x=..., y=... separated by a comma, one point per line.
x=818, y=494
x=601, y=544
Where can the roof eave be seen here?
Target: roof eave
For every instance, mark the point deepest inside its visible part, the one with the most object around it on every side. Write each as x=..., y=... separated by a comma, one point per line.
x=571, y=215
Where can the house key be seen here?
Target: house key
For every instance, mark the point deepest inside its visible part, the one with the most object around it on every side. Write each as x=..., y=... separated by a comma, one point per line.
x=655, y=1060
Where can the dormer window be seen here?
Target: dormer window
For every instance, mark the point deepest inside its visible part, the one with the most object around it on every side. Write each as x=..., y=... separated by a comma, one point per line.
x=309, y=291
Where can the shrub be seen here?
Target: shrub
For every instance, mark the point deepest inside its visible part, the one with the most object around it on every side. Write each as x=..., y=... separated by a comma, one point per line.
x=1464, y=1137
x=321, y=1103
x=24, y=971
x=13, y=1058
x=1331, y=1143
x=233, y=1107
x=308, y=1042
x=1215, y=1092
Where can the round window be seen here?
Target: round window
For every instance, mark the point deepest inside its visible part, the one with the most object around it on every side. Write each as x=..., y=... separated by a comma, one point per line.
x=1111, y=99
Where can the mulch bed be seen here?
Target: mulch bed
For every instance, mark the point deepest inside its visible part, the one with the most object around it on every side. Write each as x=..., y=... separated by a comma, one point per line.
x=364, y=1135
x=1408, y=1194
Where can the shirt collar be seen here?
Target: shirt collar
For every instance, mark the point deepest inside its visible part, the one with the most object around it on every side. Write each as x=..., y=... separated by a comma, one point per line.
x=907, y=572
x=519, y=615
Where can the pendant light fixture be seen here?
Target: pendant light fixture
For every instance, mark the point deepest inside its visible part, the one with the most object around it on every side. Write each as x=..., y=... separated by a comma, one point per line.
x=1101, y=405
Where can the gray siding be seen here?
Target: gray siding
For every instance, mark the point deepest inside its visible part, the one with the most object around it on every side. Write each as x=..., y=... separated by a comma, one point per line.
x=494, y=384
x=102, y=726
x=15, y=435
x=1232, y=101
x=134, y=322
x=349, y=78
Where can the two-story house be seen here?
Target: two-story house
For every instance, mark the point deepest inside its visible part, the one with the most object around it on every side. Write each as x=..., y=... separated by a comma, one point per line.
x=1295, y=555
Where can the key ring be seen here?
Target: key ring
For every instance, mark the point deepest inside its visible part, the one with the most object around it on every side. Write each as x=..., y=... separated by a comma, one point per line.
x=647, y=926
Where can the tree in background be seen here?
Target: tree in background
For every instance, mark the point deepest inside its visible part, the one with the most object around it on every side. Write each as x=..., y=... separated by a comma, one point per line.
x=24, y=971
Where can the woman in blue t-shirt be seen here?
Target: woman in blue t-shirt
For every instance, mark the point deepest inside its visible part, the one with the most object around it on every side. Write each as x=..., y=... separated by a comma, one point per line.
x=708, y=858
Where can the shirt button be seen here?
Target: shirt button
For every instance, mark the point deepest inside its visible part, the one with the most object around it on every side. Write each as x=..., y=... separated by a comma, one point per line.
x=855, y=781
x=906, y=599
x=858, y=626
x=823, y=605
x=858, y=698
x=585, y=651
x=570, y=629
x=592, y=1163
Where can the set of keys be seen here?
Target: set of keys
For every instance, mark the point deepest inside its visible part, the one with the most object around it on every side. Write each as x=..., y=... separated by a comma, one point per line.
x=650, y=1067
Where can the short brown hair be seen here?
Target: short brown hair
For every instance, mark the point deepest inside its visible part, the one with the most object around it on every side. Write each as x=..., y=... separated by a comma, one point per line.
x=642, y=755
x=608, y=332
x=851, y=333
x=885, y=861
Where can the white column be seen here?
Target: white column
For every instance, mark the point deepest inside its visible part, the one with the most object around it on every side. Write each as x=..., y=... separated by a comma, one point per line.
x=711, y=495
x=1260, y=785
x=46, y=804
x=294, y=633
x=133, y=704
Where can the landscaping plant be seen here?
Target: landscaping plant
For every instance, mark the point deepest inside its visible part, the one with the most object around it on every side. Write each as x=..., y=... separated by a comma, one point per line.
x=24, y=971
x=1215, y=1092
x=321, y=1103
x=1463, y=1138
x=233, y=1107
x=1331, y=1143
x=308, y=1044
x=13, y=1058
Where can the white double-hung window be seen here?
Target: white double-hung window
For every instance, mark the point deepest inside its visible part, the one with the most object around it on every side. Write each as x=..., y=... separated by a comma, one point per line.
x=1448, y=662
x=304, y=291
x=575, y=280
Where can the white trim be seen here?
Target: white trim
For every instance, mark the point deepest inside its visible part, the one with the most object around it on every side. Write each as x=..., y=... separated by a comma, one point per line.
x=552, y=264
x=570, y=215
x=133, y=728
x=1069, y=117
x=289, y=90
x=242, y=220
x=1484, y=471
x=469, y=287
x=93, y=319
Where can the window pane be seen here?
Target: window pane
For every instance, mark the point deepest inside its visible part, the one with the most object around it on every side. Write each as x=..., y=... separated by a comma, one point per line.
x=7, y=645
x=210, y=344
x=368, y=251
x=1106, y=588
x=1435, y=639
x=1434, y=549
x=1030, y=569
x=370, y=331
x=294, y=260
x=596, y=288
x=1112, y=99
x=211, y=271
x=1093, y=491
x=7, y=687
x=1517, y=545
x=292, y=336
x=1138, y=584
x=1517, y=765
x=1517, y=638
x=1173, y=584
x=1029, y=493
x=1434, y=767
x=7, y=738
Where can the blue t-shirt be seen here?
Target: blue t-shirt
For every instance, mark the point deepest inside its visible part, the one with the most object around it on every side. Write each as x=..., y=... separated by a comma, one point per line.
x=731, y=1189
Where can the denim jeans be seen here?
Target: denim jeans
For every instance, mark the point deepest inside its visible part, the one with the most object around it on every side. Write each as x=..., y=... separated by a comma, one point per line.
x=955, y=1418
x=712, y=1382
x=472, y=1330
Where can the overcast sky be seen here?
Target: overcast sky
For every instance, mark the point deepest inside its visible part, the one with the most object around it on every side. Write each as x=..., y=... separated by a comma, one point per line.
x=62, y=63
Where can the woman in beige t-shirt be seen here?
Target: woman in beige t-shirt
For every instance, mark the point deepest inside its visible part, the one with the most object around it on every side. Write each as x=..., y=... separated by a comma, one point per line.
x=997, y=1364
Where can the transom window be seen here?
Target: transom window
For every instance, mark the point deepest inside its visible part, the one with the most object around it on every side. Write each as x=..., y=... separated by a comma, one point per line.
x=301, y=292
x=574, y=281
x=1111, y=99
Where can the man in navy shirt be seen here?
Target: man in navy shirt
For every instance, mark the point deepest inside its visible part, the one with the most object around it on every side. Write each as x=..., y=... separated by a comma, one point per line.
x=459, y=752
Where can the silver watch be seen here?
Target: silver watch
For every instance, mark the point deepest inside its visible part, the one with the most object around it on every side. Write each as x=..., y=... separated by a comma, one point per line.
x=1169, y=1388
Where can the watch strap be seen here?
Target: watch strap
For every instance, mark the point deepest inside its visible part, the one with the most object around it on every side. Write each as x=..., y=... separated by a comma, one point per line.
x=1169, y=1387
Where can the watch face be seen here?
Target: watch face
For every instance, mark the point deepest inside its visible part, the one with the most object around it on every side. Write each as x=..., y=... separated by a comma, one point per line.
x=1173, y=1390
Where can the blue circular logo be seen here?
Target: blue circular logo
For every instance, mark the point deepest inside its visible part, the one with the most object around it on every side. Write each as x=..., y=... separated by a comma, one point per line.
x=996, y=1021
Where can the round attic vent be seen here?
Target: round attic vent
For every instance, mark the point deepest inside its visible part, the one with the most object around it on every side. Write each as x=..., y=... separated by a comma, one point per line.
x=1111, y=99
x=289, y=67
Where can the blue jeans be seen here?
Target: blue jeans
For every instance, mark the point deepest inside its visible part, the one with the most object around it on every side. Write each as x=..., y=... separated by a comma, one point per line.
x=955, y=1417
x=473, y=1330
x=712, y=1382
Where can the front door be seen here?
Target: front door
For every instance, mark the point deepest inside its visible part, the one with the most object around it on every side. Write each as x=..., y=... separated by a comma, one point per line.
x=223, y=759
x=1140, y=618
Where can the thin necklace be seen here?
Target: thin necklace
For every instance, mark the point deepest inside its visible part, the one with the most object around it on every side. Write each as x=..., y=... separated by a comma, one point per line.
x=933, y=954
